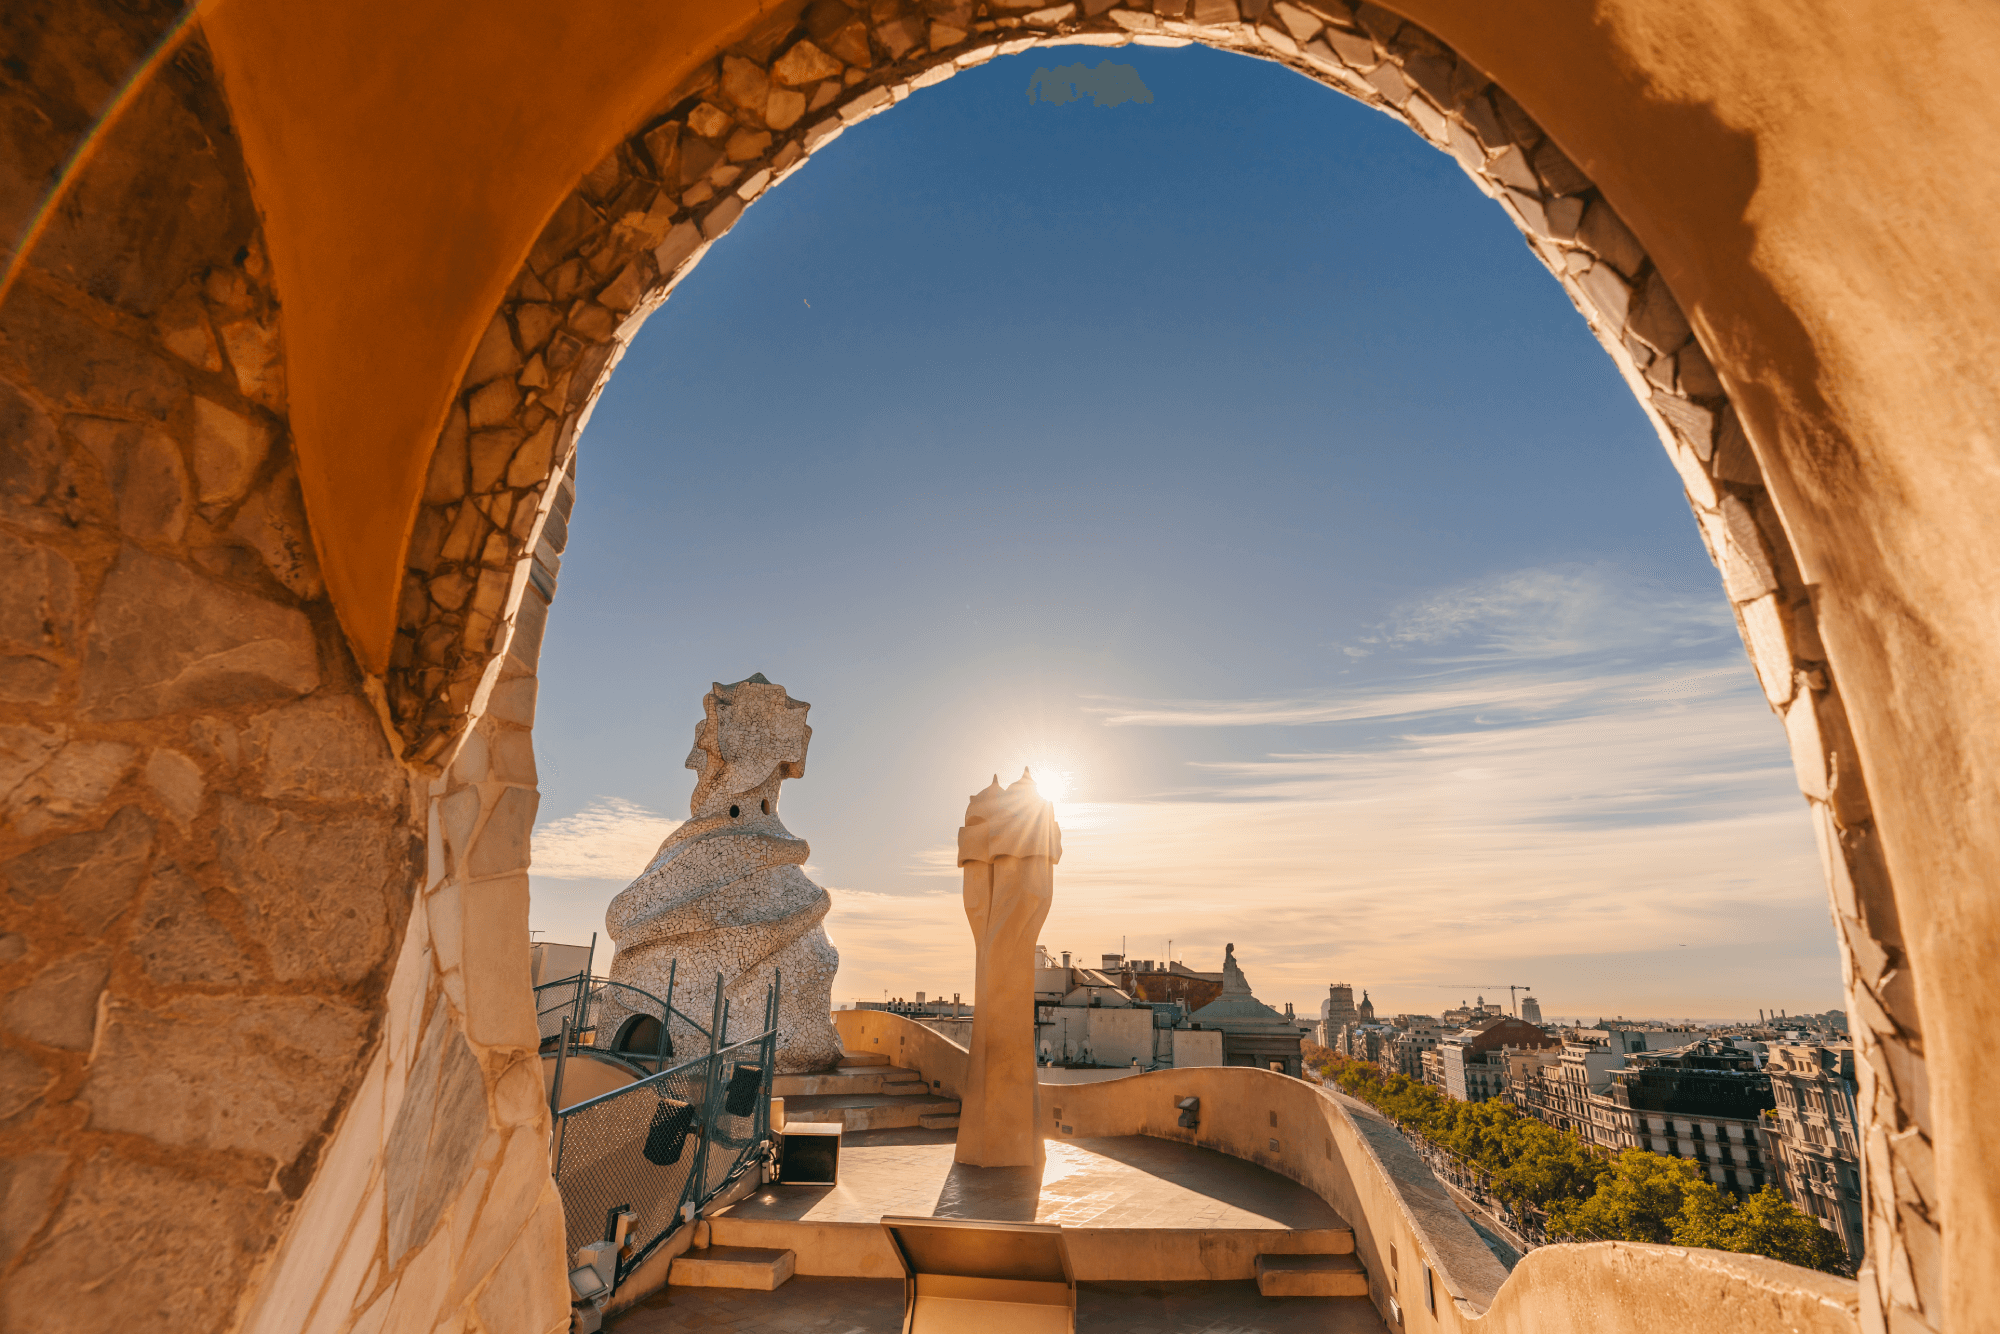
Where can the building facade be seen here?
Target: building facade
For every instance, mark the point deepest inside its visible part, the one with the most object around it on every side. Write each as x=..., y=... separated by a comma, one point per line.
x=1704, y=1101
x=1814, y=1151
x=1472, y=1063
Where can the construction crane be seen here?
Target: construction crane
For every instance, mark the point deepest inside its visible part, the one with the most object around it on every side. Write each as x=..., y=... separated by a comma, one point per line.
x=1475, y=987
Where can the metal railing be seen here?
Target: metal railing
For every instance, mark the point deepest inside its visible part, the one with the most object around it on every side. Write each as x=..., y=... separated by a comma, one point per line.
x=616, y=1018
x=665, y=1146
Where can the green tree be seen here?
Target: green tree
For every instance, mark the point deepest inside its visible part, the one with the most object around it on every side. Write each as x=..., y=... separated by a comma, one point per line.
x=1765, y=1224
x=1638, y=1200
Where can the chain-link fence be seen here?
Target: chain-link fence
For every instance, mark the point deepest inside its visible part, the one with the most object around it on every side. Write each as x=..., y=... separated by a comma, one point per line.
x=675, y=1138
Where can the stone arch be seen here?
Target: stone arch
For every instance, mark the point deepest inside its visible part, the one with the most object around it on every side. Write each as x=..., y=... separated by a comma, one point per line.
x=132, y=326
x=487, y=543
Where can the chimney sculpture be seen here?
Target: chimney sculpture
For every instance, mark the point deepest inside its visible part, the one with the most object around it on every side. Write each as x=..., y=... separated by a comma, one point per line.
x=727, y=892
x=1008, y=848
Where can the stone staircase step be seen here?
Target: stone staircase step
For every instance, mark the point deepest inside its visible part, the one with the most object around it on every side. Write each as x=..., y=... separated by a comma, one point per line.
x=863, y=1058
x=1311, y=1276
x=939, y=1121
x=732, y=1267
x=857, y=1112
x=848, y=1079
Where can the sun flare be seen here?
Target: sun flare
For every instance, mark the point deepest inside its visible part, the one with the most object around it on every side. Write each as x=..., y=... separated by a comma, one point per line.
x=1053, y=781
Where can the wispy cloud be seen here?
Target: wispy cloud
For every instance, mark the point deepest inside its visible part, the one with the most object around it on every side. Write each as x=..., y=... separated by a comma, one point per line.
x=1555, y=611
x=610, y=839
x=1552, y=770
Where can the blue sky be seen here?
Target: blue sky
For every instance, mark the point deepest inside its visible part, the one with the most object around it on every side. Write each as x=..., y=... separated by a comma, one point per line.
x=1228, y=458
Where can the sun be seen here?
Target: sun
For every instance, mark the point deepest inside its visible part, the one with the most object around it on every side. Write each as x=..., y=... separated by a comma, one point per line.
x=1052, y=780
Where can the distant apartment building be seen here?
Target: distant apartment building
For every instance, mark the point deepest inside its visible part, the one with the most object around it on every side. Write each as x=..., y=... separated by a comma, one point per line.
x=1814, y=1152
x=1162, y=981
x=1337, y=1013
x=1084, y=1018
x=1531, y=1010
x=1472, y=1062
x=1368, y=1042
x=1409, y=1045
x=1560, y=1093
x=1704, y=1101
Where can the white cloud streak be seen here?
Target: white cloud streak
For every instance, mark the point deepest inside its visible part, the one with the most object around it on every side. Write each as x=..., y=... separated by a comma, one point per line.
x=610, y=839
x=1575, y=772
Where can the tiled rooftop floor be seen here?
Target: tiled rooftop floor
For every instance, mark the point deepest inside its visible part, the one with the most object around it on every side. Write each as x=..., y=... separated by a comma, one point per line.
x=1126, y=1182
x=875, y=1306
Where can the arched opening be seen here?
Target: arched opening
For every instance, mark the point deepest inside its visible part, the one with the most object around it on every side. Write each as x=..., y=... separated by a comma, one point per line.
x=649, y=211
x=1700, y=124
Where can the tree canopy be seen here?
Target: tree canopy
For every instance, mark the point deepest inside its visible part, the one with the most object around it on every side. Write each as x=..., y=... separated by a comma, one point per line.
x=1535, y=1169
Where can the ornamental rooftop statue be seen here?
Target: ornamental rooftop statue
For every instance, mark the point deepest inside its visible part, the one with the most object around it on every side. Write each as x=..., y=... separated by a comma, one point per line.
x=724, y=894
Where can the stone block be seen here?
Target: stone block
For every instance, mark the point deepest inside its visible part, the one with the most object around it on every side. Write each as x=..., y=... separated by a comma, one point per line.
x=58, y=1006
x=176, y=780
x=166, y=640
x=1764, y=636
x=1510, y=168
x=784, y=108
x=746, y=84
x=495, y=355
x=23, y=1080
x=850, y=43
x=491, y=452
x=514, y=758
x=29, y=1187
x=307, y=1277
x=1564, y=214
x=527, y=1293
x=93, y=877
x=512, y=1195
x=273, y=522
x=493, y=403
x=257, y=356
x=318, y=894
x=240, y=1074
x=418, y=1304
x=445, y=482
x=229, y=447
x=710, y=121
x=323, y=750
x=184, y=330
x=1657, y=317
x=185, y=1248
x=178, y=942
x=27, y=678
x=70, y=785
x=533, y=459
x=81, y=366
x=436, y=1133
x=142, y=466
x=38, y=596
x=23, y=750
x=1605, y=234
x=1389, y=82
x=1692, y=424
x=1608, y=293
x=498, y=1002
x=1809, y=759
x=514, y=701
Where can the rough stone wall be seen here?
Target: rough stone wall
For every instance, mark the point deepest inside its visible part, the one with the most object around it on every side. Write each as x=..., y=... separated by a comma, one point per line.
x=644, y=216
x=435, y=1208
x=226, y=1016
